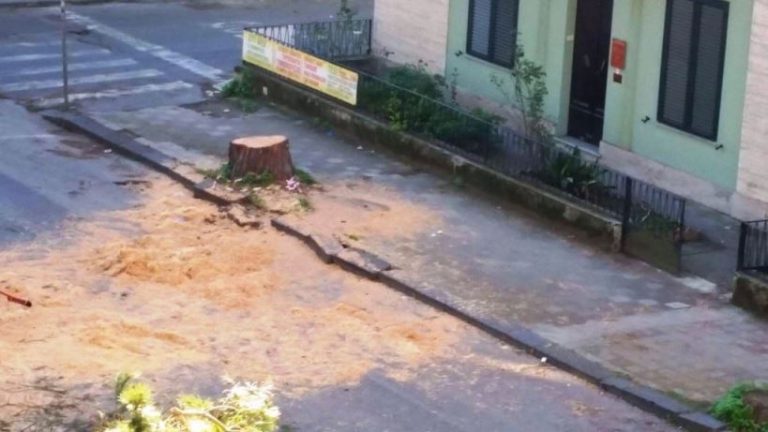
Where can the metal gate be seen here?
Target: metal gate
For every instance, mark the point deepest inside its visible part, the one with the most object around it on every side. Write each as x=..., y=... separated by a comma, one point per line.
x=653, y=224
x=753, y=246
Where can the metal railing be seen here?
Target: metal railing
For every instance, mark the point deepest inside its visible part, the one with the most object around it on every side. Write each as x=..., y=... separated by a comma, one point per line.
x=479, y=138
x=347, y=39
x=503, y=150
x=753, y=246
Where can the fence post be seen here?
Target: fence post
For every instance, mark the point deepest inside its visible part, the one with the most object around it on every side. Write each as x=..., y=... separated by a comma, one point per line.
x=369, y=24
x=627, y=211
x=742, y=246
x=487, y=145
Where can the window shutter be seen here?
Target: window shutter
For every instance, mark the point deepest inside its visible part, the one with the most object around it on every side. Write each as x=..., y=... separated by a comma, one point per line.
x=480, y=37
x=692, y=65
x=709, y=71
x=492, y=30
x=506, y=31
x=677, y=62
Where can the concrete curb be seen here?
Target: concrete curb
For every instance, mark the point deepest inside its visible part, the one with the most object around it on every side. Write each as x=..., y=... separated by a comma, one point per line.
x=643, y=397
x=125, y=145
x=371, y=266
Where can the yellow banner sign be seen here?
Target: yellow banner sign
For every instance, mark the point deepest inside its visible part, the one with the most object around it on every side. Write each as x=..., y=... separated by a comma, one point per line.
x=300, y=67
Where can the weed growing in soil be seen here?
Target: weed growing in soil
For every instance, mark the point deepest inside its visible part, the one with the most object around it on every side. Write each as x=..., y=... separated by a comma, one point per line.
x=246, y=407
x=305, y=204
x=305, y=178
x=251, y=180
x=732, y=410
x=257, y=201
x=221, y=174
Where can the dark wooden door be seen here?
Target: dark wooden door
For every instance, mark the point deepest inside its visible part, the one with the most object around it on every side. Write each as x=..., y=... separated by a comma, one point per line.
x=590, y=69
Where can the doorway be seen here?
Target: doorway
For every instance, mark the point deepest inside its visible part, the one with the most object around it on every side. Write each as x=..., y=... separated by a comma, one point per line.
x=590, y=70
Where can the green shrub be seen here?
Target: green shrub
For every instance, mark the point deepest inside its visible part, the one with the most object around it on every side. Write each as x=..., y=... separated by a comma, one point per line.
x=473, y=134
x=416, y=79
x=732, y=410
x=570, y=173
x=241, y=86
x=426, y=112
x=245, y=407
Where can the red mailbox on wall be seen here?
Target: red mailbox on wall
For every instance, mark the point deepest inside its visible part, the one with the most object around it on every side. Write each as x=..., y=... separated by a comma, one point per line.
x=618, y=58
x=619, y=54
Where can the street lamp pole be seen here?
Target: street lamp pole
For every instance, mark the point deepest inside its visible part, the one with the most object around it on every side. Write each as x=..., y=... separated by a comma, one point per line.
x=64, y=65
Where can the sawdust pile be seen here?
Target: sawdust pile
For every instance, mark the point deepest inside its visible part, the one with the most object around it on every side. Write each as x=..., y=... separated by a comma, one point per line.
x=173, y=286
x=366, y=210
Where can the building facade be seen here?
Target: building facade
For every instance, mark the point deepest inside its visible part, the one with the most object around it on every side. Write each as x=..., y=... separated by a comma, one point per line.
x=669, y=91
x=412, y=32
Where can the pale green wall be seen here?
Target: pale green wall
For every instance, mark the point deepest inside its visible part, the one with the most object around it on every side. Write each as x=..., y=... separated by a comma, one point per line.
x=546, y=29
x=543, y=26
x=641, y=23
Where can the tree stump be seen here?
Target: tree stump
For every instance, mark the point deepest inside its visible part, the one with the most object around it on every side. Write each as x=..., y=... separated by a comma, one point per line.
x=259, y=154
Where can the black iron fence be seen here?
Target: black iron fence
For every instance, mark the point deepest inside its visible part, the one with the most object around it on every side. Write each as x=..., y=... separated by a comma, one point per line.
x=482, y=138
x=338, y=40
x=753, y=246
x=487, y=142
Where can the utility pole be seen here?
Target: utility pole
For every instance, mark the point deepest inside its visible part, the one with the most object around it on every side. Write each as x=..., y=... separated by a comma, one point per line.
x=64, y=65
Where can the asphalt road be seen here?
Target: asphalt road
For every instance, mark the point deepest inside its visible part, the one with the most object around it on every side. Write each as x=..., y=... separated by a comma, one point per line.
x=131, y=55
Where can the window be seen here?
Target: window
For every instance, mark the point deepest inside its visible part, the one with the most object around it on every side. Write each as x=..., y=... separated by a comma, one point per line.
x=492, y=31
x=692, y=65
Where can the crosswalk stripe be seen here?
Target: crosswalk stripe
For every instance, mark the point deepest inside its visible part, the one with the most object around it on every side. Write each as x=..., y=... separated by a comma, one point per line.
x=148, y=88
x=31, y=44
x=71, y=67
x=159, y=51
x=30, y=57
x=54, y=83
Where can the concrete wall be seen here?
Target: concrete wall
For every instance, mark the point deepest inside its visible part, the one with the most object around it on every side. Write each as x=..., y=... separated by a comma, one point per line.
x=753, y=163
x=408, y=31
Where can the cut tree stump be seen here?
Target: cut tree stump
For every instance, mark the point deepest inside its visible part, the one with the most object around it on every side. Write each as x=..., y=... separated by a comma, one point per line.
x=259, y=154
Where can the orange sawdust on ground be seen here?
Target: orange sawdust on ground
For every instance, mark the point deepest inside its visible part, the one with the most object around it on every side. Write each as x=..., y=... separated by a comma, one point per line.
x=359, y=211
x=174, y=283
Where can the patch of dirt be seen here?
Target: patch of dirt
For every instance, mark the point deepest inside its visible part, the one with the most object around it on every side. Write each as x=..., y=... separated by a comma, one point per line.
x=360, y=211
x=173, y=286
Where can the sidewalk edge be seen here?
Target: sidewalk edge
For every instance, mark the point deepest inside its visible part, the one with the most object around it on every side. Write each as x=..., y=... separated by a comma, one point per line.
x=646, y=398
x=123, y=144
x=643, y=397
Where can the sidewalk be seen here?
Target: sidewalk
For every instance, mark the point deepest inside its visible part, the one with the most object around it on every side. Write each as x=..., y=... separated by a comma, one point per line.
x=502, y=264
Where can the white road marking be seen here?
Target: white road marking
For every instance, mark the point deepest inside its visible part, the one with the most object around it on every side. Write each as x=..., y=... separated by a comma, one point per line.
x=161, y=52
x=31, y=44
x=148, y=88
x=54, y=83
x=30, y=57
x=72, y=67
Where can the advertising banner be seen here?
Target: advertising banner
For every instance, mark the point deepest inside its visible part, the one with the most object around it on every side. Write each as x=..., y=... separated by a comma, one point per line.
x=298, y=66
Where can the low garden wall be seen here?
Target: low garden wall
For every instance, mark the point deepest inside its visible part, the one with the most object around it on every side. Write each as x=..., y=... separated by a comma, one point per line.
x=750, y=292
x=362, y=127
